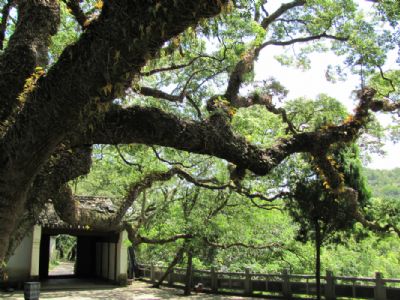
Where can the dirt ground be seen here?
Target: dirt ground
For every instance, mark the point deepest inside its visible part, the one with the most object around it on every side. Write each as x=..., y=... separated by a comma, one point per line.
x=137, y=291
x=63, y=268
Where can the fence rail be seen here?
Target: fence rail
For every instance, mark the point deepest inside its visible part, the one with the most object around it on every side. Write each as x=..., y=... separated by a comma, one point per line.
x=285, y=284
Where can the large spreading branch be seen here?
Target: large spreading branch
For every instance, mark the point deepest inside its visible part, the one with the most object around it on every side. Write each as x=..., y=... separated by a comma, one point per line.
x=26, y=49
x=174, y=67
x=152, y=126
x=151, y=92
x=139, y=239
x=70, y=211
x=375, y=226
x=280, y=11
x=246, y=64
x=385, y=105
x=97, y=66
x=215, y=137
x=64, y=166
x=77, y=12
x=242, y=245
x=100, y=65
x=302, y=40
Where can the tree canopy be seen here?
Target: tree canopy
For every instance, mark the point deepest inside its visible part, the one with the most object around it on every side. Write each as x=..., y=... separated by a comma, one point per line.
x=176, y=75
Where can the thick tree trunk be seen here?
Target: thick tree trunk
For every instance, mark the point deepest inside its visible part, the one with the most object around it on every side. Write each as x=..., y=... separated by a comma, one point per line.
x=174, y=262
x=64, y=166
x=93, y=71
x=124, y=36
x=24, y=227
x=189, y=273
x=318, y=258
x=27, y=48
x=10, y=212
x=133, y=271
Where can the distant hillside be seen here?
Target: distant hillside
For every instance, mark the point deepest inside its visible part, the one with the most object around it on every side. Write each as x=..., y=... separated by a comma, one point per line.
x=384, y=183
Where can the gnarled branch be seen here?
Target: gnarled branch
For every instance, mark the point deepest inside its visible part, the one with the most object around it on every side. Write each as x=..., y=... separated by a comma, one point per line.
x=26, y=49
x=280, y=11
x=242, y=245
x=145, y=240
x=77, y=12
x=147, y=91
x=100, y=65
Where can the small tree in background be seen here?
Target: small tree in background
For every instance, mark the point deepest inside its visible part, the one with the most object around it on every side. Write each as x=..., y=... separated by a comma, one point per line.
x=320, y=213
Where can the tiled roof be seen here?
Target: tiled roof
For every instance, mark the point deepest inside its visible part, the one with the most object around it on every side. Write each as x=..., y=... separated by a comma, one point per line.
x=103, y=205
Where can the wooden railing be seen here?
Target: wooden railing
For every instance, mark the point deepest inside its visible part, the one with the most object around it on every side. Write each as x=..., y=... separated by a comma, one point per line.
x=284, y=284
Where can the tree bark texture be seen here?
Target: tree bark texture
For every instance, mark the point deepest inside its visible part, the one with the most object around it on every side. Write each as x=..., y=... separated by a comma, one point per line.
x=177, y=259
x=47, y=128
x=318, y=243
x=93, y=71
x=189, y=273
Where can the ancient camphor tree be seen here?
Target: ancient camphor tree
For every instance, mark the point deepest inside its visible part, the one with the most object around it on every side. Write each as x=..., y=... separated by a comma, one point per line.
x=113, y=84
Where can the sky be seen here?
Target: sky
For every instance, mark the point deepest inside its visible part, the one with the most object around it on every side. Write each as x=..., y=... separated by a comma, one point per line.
x=313, y=82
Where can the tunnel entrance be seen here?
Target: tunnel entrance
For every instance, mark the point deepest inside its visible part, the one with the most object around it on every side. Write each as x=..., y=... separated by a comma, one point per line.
x=62, y=255
x=89, y=254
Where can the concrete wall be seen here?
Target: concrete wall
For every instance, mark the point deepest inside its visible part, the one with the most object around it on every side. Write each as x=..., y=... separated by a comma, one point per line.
x=106, y=265
x=104, y=260
x=98, y=259
x=112, y=260
x=122, y=258
x=19, y=265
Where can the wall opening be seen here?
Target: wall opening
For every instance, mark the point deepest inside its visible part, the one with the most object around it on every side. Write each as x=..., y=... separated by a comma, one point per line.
x=88, y=254
x=62, y=255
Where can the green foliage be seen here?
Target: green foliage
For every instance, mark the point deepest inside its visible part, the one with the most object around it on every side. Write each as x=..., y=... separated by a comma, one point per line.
x=111, y=176
x=65, y=246
x=308, y=114
x=363, y=257
x=350, y=164
x=258, y=125
x=385, y=205
x=389, y=11
x=211, y=50
x=312, y=204
x=386, y=84
x=384, y=183
x=68, y=33
x=240, y=221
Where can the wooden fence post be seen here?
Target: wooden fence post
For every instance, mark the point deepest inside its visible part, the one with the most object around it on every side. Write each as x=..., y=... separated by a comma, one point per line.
x=380, y=289
x=214, y=280
x=247, y=283
x=330, y=293
x=286, y=290
x=152, y=273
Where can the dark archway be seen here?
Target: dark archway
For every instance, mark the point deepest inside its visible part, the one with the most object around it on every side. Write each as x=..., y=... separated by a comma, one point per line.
x=63, y=248
x=96, y=253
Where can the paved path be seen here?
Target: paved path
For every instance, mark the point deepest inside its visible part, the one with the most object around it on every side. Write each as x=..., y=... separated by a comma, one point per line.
x=137, y=291
x=63, y=268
